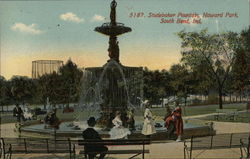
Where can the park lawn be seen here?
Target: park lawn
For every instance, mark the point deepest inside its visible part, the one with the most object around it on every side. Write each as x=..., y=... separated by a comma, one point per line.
x=194, y=110
x=158, y=112
x=243, y=117
x=199, y=110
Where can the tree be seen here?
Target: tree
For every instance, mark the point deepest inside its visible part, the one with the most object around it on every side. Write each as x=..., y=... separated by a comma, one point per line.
x=182, y=81
x=240, y=72
x=3, y=91
x=70, y=76
x=245, y=41
x=22, y=89
x=49, y=86
x=156, y=85
x=216, y=51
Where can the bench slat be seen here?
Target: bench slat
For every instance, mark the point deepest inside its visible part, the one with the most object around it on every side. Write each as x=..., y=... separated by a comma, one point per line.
x=121, y=151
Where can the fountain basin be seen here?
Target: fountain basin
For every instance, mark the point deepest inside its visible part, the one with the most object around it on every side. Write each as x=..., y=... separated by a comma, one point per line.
x=68, y=130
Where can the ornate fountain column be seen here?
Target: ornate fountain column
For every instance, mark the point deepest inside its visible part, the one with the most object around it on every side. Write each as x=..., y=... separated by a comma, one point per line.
x=113, y=29
x=114, y=94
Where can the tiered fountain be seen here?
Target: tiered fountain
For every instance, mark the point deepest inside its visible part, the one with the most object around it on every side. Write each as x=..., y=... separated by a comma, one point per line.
x=116, y=86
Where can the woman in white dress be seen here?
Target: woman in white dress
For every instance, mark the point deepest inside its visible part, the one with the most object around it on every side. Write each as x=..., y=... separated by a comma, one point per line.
x=149, y=124
x=118, y=131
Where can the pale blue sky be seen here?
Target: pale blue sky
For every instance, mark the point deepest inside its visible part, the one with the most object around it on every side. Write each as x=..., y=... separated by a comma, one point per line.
x=149, y=44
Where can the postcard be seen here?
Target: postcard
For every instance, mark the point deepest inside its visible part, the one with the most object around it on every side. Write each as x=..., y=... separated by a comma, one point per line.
x=124, y=79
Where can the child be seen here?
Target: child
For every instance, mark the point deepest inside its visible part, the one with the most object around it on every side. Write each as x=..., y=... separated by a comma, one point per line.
x=148, y=125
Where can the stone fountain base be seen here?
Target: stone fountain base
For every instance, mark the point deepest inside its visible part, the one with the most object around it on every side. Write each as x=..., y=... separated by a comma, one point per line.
x=68, y=130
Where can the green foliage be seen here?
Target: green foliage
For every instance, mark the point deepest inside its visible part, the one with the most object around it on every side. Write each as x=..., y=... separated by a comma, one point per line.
x=62, y=87
x=22, y=89
x=215, y=52
x=70, y=77
x=3, y=84
x=156, y=85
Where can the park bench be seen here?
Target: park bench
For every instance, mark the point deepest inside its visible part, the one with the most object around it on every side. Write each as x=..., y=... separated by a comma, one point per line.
x=220, y=141
x=125, y=146
x=11, y=146
x=228, y=113
x=245, y=146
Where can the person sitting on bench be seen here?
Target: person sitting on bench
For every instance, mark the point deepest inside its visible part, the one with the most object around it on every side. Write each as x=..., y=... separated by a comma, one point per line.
x=91, y=134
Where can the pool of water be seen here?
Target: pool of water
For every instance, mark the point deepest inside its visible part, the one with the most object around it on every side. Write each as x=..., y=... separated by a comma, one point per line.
x=73, y=127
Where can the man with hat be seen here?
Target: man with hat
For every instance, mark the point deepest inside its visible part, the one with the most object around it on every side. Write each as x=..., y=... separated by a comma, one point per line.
x=91, y=134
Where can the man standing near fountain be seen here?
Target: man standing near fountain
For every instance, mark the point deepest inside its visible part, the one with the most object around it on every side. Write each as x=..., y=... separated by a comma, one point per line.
x=91, y=134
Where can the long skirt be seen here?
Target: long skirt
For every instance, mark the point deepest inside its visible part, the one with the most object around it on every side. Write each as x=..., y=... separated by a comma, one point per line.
x=119, y=132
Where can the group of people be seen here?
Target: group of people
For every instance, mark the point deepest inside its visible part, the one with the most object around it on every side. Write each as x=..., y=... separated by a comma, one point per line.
x=18, y=113
x=51, y=120
x=173, y=123
x=117, y=132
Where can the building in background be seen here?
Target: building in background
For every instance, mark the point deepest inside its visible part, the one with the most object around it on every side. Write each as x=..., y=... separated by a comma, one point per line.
x=41, y=67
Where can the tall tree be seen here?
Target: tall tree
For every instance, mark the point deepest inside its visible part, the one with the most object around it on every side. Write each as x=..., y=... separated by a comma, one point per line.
x=182, y=81
x=49, y=86
x=70, y=76
x=240, y=73
x=22, y=89
x=156, y=85
x=2, y=91
x=216, y=50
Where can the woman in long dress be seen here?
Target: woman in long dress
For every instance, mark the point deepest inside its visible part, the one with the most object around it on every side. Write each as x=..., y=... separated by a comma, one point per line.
x=118, y=131
x=176, y=119
x=149, y=124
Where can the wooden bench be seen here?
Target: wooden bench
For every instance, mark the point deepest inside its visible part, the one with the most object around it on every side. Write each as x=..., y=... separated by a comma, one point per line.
x=140, y=143
x=228, y=113
x=220, y=141
x=245, y=146
x=11, y=146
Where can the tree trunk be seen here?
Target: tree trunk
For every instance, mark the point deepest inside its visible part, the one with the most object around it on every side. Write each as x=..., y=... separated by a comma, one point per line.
x=220, y=98
x=162, y=102
x=240, y=97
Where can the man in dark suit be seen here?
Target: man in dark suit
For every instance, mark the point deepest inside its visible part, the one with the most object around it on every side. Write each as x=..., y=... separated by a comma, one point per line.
x=91, y=134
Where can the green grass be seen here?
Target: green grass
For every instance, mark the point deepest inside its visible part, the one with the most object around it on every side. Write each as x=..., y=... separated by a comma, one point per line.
x=241, y=117
x=199, y=110
x=159, y=112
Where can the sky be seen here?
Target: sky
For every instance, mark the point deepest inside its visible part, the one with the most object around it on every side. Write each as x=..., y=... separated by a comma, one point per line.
x=59, y=30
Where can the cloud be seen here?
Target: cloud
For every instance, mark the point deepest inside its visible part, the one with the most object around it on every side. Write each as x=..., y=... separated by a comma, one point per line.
x=26, y=28
x=71, y=17
x=97, y=18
